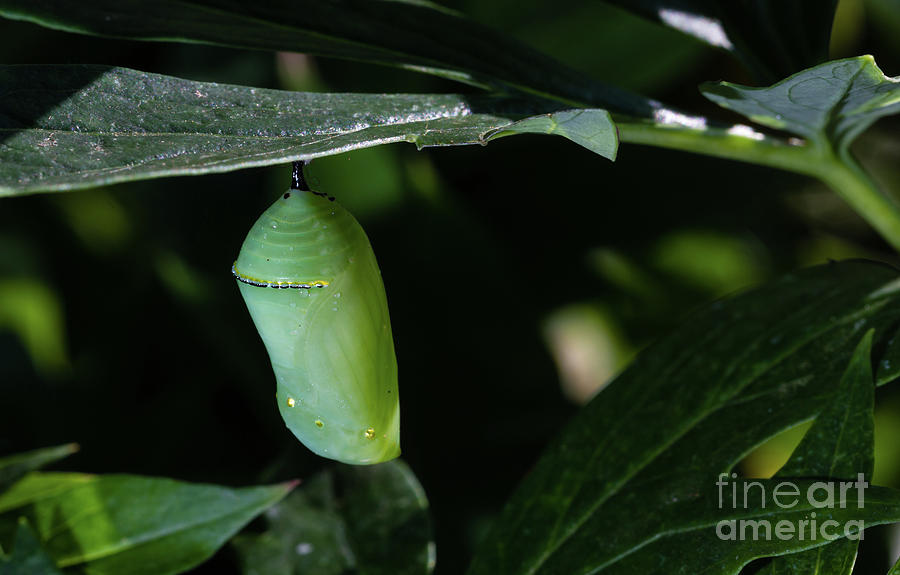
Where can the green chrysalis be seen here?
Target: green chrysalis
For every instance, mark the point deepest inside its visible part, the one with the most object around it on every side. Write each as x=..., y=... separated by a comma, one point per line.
x=310, y=280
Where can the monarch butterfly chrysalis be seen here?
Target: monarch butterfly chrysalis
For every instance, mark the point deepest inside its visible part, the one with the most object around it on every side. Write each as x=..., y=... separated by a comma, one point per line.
x=310, y=280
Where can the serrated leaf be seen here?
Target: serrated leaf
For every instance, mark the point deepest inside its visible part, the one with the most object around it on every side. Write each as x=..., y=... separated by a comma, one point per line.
x=629, y=486
x=830, y=104
x=415, y=34
x=69, y=127
x=14, y=467
x=28, y=558
x=841, y=445
x=763, y=34
x=125, y=524
x=379, y=525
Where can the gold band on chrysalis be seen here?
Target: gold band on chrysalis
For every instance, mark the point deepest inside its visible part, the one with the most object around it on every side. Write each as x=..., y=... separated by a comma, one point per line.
x=277, y=284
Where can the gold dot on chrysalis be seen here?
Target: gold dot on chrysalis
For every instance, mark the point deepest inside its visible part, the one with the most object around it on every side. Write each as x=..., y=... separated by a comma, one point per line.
x=291, y=402
x=370, y=433
x=319, y=423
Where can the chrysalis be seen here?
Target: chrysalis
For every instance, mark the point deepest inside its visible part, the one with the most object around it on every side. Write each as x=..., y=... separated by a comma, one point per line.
x=310, y=280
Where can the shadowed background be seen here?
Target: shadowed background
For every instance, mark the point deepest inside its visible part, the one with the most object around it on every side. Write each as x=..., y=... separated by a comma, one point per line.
x=520, y=276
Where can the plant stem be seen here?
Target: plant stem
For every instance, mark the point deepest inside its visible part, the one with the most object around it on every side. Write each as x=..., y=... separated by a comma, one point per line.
x=851, y=182
x=841, y=173
x=719, y=142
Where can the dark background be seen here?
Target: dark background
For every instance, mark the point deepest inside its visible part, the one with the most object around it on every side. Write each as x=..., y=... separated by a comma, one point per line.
x=121, y=328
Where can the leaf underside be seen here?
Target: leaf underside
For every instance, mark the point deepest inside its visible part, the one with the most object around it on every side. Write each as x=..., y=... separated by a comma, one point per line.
x=830, y=104
x=414, y=34
x=69, y=127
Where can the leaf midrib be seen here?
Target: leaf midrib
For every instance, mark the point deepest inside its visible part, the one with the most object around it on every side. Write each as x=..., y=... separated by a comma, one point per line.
x=692, y=424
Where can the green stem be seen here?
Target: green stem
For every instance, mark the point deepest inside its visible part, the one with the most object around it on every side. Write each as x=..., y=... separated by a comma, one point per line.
x=851, y=182
x=841, y=173
x=719, y=142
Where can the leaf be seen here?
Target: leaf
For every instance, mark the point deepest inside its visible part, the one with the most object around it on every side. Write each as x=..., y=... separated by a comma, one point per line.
x=69, y=127
x=629, y=485
x=27, y=557
x=841, y=444
x=589, y=128
x=830, y=105
x=773, y=38
x=895, y=570
x=14, y=467
x=380, y=524
x=414, y=34
x=125, y=524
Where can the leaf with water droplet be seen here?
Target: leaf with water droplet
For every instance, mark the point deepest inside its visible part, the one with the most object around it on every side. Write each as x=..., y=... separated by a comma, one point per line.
x=181, y=135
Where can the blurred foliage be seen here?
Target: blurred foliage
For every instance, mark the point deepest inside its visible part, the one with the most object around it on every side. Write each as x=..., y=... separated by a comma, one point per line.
x=361, y=519
x=27, y=557
x=128, y=334
x=588, y=348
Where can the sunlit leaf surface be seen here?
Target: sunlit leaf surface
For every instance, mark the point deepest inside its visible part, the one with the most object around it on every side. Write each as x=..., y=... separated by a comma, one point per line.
x=68, y=127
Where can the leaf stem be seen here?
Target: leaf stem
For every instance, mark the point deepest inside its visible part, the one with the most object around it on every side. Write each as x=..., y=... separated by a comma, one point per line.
x=720, y=142
x=840, y=172
x=851, y=182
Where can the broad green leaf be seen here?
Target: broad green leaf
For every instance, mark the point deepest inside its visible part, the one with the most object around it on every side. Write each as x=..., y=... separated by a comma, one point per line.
x=629, y=485
x=414, y=34
x=14, y=467
x=125, y=524
x=830, y=104
x=28, y=558
x=773, y=38
x=380, y=524
x=895, y=570
x=841, y=444
x=68, y=127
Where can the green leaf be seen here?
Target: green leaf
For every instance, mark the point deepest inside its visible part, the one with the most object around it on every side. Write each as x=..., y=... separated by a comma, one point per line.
x=773, y=38
x=895, y=570
x=589, y=128
x=629, y=485
x=14, y=467
x=380, y=524
x=830, y=105
x=28, y=558
x=841, y=444
x=125, y=524
x=414, y=34
x=69, y=127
